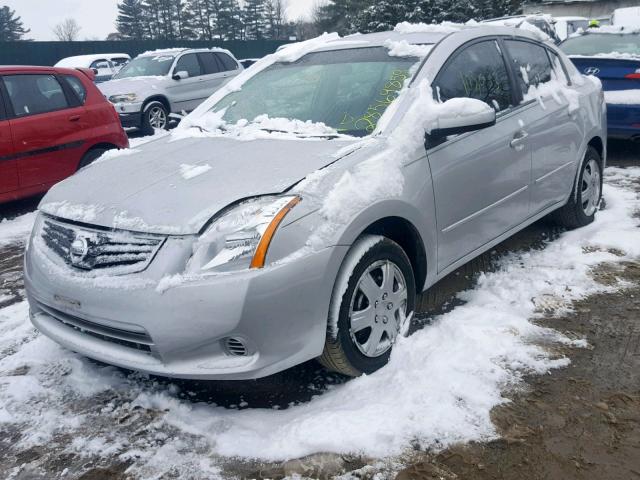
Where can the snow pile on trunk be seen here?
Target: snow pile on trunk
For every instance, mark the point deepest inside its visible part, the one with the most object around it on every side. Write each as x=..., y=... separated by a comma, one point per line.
x=611, y=55
x=622, y=97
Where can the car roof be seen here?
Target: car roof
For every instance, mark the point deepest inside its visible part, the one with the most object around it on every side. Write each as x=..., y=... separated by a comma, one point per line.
x=420, y=34
x=86, y=60
x=177, y=51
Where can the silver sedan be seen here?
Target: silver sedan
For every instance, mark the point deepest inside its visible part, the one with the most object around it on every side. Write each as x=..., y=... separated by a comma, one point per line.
x=298, y=212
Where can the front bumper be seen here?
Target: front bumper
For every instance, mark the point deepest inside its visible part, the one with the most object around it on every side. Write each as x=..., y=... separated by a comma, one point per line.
x=279, y=312
x=130, y=114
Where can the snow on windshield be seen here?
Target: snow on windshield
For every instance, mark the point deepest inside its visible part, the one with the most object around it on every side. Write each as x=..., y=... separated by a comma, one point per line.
x=344, y=91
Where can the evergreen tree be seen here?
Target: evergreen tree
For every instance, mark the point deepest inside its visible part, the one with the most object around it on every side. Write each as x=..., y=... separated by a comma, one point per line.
x=341, y=15
x=11, y=28
x=131, y=20
x=201, y=14
x=255, y=19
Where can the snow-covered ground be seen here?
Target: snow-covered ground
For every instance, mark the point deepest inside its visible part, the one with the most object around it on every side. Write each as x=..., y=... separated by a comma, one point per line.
x=438, y=388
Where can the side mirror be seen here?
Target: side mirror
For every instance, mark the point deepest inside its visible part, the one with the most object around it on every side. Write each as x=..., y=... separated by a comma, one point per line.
x=460, y=115
x=181, y=75
x=95, y=71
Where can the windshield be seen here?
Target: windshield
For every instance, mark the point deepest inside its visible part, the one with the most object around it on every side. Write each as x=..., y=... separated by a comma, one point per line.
x=602, y=43
x=347, y=90
x=147, y=66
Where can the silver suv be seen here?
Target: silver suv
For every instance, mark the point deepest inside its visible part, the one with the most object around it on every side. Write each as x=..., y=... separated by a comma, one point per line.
x=157, y=83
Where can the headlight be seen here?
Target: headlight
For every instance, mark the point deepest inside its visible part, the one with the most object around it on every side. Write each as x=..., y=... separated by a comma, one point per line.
x=124, y=98
x=240, y=238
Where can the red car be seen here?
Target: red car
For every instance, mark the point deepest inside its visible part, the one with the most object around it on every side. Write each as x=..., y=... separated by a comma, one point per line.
x=53, y=121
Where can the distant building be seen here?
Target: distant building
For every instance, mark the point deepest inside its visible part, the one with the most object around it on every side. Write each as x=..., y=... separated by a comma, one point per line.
x=580, y=8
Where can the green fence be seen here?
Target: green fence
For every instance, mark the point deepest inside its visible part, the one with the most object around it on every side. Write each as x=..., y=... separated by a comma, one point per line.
x=48, y=53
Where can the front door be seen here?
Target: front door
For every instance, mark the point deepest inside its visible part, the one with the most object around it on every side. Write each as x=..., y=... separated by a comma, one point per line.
x=186, y=94
x=48, y=129
x=481, y=179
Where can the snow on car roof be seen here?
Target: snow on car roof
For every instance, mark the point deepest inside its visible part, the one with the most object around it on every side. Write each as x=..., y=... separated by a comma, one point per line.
x=176, y=51
x=80, y=61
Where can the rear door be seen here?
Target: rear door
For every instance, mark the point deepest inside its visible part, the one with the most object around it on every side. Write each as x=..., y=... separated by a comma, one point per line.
x=48, y=126
x=481, y=179
x=215, y=75
x=552, y=122
x=8, y=166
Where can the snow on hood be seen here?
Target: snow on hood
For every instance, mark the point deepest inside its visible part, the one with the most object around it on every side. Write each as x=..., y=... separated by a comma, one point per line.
x=138, y=85
x=156, y=189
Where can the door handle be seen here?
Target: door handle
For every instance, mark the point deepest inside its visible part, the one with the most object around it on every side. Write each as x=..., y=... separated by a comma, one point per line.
x=517, y=143
x=74, y=118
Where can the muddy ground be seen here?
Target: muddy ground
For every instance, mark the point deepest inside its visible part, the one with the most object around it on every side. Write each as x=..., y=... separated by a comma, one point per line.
x=580, y=422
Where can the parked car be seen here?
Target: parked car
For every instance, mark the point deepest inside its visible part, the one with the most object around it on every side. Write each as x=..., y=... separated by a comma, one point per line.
x=567, y=26
x=628, y=18
x=298, y=214
x=158, y=83
x=247, y=62
x=614, y=57
x=104, y=65
x=53, y=121
x=544, y=23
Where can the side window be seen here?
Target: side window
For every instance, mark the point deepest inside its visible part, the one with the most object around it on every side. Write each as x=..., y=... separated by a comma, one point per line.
x=532, y=64
x=120, y=61
x=189, y=63
x=478, y=71
x=32, y=94
x=558, y=72
x=77, y=86
x=209, y=63
x=102, y=63
x=227, y=62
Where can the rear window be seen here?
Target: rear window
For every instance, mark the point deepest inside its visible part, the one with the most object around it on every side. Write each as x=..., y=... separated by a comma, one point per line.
x=77, y=87
x=209, y=63
x=33, y=94
x=602, y=43
x=226, y=61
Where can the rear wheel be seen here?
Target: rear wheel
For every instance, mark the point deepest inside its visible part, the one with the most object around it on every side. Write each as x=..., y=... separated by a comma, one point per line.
x=372, y=299
x=90, y=157
x=585, y=198
x=154, y=116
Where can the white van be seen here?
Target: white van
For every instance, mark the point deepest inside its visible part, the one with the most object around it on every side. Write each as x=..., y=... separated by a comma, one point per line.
x=105, y=65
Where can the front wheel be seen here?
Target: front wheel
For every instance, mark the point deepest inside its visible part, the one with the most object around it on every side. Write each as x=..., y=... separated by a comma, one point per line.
x=585, y=198
x=154, y=116
x=372, y=300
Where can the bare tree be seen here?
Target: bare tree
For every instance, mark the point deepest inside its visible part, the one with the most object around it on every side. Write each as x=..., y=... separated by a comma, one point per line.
x=67, y=31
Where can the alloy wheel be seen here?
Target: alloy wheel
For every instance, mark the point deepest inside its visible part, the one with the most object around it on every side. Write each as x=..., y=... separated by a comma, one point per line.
x=157, y=117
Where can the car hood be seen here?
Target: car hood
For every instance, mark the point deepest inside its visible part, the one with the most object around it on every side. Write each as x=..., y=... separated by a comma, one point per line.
x=138, y=85
x=174, y=186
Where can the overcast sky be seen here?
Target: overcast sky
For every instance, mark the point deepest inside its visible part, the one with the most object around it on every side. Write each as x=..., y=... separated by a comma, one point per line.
x=96, y=17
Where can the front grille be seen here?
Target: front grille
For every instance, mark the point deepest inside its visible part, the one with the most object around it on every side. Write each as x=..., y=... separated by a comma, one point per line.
x=138, y=340
x=111, y=252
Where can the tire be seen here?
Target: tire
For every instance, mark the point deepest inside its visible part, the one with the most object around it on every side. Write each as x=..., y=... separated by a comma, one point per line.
x=154, y=115
x=585, y=198
x=90, y=157
x=349, y=348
